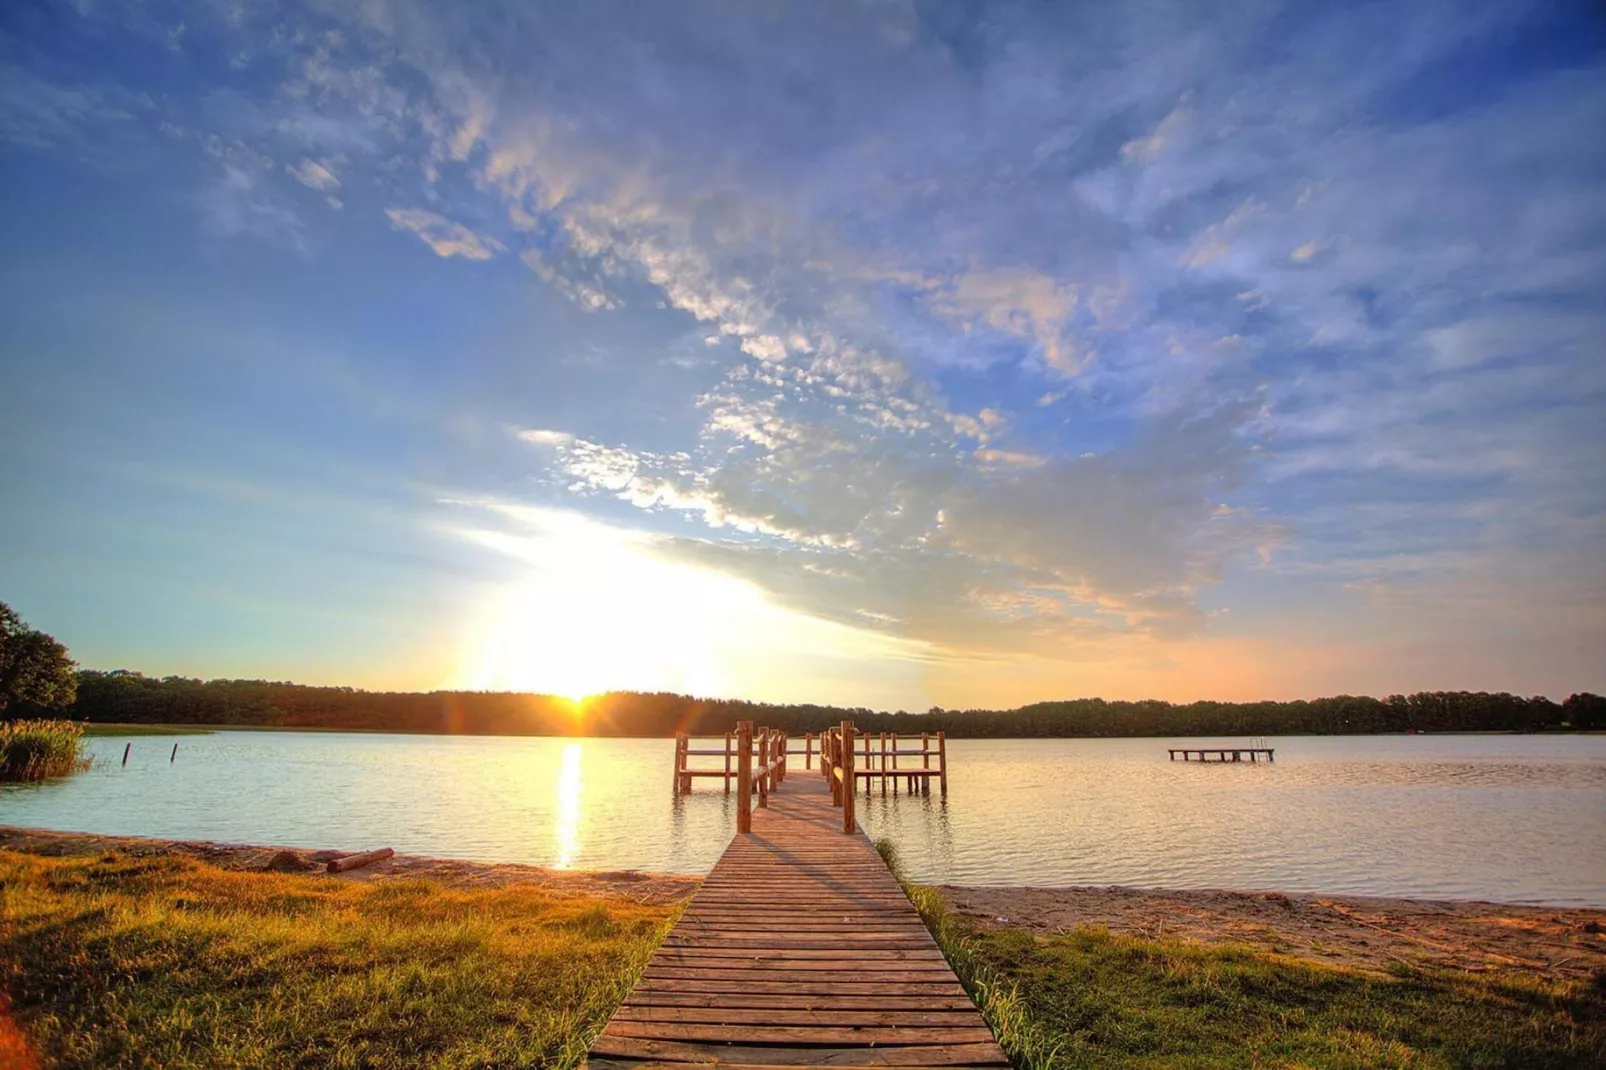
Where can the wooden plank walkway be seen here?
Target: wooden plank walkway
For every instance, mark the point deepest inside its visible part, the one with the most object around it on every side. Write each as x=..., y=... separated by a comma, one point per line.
x=799, y=949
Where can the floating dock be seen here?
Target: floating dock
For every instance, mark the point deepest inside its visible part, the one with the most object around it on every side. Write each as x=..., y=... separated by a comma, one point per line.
x=1221, y=754
x=799, y=949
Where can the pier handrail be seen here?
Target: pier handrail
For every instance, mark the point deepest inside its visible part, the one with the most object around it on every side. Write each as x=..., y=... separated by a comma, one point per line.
x=757, y=759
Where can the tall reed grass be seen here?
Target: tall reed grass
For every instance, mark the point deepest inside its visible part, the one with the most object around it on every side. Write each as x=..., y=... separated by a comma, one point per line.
x=36, y=749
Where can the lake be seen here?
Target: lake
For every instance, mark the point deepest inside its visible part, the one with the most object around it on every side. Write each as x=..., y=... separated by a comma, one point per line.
x=1510, y=818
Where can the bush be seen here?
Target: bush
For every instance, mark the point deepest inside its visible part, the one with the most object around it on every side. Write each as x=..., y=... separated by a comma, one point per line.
x=36, y=749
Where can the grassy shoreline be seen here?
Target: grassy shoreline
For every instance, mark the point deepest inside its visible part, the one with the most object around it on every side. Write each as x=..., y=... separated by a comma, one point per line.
x=144, y=953
x=1088, y=998
x=122, y=960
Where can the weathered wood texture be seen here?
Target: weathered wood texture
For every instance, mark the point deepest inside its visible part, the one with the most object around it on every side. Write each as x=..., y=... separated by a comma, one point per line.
x=800, y=949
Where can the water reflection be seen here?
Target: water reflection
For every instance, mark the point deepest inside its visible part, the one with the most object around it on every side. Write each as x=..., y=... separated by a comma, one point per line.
x=570, y=789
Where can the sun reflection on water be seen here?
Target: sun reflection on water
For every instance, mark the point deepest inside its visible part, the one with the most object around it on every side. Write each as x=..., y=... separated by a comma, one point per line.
x=566, y=827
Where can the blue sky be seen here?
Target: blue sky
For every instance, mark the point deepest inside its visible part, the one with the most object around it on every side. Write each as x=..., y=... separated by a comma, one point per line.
x=887, y=354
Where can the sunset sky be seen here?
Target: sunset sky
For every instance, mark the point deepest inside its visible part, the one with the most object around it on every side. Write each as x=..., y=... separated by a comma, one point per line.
x=882, y=354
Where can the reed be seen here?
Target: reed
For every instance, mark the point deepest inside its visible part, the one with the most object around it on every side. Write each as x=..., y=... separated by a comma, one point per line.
x=36, y=749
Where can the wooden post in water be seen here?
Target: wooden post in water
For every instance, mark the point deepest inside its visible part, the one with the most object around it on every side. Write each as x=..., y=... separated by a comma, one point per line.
x=170, y=757
x=744, y=776
x=894, y=763
x=925, y=762
x=808, y=750
x=727, y=780
x=942, y=761
x=126, y=748
x=848, y=824
x=680, y=759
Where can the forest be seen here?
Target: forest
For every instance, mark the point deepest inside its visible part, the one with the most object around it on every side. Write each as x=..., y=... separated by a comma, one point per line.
x=131, y=697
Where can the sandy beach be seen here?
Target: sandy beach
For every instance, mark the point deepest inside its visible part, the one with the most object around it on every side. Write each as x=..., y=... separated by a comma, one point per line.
x=1354, y=931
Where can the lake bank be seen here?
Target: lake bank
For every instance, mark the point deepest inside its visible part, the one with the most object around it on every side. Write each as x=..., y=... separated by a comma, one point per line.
x=1358, y=932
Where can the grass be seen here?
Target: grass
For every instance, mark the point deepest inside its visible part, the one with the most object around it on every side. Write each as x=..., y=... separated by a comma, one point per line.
x=155, y=961
x=37, y=748
x=113, y=728
x=1092, y=999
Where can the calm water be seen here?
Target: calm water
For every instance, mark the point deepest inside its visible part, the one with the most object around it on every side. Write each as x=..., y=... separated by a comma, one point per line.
x=1512, y=818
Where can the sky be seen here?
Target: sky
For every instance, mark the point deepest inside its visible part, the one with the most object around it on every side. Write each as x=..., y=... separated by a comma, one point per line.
x=886, y=354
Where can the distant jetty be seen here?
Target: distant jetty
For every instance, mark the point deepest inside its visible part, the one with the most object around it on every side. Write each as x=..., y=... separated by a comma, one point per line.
x=1220, y=754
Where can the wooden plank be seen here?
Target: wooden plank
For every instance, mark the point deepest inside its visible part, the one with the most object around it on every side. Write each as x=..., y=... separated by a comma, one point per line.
x=799, y=949
x=985, y=1054
x=835, y=1018
x=640, y=999
x=760, y=1033
x=823, y=986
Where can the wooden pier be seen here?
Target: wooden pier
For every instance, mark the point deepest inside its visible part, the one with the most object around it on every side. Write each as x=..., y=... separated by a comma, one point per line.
x=1220, y=754
x=876, y=758
x=799, y=949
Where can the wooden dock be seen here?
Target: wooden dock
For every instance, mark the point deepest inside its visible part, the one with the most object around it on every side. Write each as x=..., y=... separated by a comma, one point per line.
x=876, y=758
x=1220, y=754
x=799, y=949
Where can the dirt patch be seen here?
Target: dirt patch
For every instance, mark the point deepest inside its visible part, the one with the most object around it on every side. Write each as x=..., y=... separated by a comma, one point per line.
x=1355, y=931
x=647, y=888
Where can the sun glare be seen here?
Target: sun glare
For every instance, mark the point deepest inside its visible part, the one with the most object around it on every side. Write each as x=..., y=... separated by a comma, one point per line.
x=598, y=608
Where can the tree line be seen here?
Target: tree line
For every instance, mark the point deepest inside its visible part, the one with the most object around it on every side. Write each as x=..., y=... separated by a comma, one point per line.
x=124, y=696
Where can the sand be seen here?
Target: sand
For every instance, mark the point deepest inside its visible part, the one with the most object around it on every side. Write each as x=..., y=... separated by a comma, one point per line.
x=1353, y=931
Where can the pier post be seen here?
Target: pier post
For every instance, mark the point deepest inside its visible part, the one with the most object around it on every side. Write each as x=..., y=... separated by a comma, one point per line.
x=744, y=776
x=126, y=748
x=942, y=761
x=727, y=763
x=925, y=762
x=848, y=824
x=765, y=747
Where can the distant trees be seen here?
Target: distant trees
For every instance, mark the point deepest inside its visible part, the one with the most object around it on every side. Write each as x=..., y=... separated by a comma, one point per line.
x=132, y=696
x=35, y=671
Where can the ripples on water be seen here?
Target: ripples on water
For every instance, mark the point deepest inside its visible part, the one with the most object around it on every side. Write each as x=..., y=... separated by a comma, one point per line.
x=1512, y=818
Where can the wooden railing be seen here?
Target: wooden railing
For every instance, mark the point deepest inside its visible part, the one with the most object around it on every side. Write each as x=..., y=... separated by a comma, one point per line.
x=756, y=759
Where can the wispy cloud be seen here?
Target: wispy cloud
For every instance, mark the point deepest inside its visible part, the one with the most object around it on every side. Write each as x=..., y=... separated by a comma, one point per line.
x=444, y=236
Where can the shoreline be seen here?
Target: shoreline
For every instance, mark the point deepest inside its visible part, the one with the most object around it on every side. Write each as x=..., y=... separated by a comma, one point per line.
x=1371, y=933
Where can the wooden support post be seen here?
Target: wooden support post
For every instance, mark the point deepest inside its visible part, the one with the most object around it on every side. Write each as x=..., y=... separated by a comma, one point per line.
x=894, y=763
x=170, y=757
x=848, y=824
x=883, y=765
x=126, y=748
x=942, y=761
x=925, y=762
x=727, y=780
x=680, y=761
x=764, y=747
x=744, y=776
x=869, y=767
x=808, y=750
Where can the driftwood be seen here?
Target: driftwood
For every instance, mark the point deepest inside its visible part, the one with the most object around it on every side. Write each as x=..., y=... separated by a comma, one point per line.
x=356, y=861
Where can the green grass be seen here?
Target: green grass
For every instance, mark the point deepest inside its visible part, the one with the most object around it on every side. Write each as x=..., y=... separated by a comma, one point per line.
x=124, y=961
x=1092, y=999
x=38, y=748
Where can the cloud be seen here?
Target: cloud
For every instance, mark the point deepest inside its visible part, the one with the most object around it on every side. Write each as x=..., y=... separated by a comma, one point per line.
x=448, y=239
x=313, y=174
x=877, y=227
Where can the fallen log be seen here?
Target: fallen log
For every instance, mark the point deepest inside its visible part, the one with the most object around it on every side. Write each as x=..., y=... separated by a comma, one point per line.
x=358, y=860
